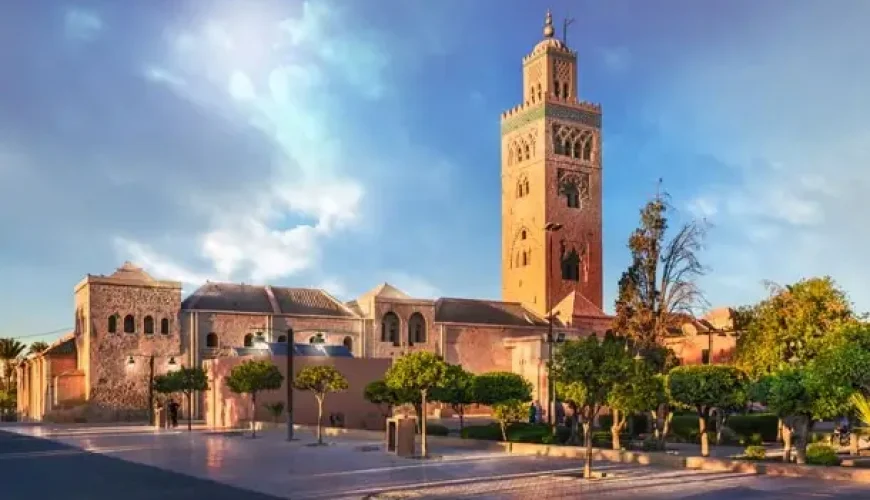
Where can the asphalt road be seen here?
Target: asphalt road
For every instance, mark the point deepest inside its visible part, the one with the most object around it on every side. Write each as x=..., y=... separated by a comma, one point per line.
x=33, y=468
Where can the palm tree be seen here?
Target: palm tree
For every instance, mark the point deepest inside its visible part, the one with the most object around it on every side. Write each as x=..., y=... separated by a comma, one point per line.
x=10, y=350
x=37, y=347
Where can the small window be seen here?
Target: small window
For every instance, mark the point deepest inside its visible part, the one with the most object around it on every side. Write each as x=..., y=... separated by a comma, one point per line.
x=525, y=187
x=164, y=326
x=211, y=340
x=348, y=342
x=571, y=267
x=129, y=324
x=564, y=90
x=249, y=340
x=113, y=323
x=525, y=258
x=557, y=89
x=523, y=234
x=148, y=325
x=390, y=328
x=527, y=152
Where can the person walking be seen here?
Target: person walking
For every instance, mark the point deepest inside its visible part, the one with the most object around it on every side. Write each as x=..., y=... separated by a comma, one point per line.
x=533, y=412
x=173, y=413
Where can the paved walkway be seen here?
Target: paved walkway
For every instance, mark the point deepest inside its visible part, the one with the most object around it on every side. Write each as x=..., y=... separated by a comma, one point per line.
x=83, y=462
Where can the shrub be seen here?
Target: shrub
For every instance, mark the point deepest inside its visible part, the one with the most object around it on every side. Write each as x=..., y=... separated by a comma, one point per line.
x=754, y=423
x=755, y=453
x=822, y=454
x=436, y=430
x=518, y=433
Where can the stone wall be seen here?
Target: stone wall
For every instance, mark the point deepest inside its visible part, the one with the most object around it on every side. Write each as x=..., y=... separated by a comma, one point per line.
x=403, y=308
x=223, y=408
x=115, y=384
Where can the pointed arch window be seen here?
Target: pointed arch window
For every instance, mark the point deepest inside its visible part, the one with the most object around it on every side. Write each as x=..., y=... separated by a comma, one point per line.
x=416, y=329
x=129, y=324
x=390, y=328
x=526, y=151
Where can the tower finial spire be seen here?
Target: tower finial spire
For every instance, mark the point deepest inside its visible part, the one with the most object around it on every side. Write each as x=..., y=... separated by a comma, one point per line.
x=548, y=25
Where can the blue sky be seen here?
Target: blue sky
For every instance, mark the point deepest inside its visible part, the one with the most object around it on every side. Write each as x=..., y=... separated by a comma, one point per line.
x=341, y=144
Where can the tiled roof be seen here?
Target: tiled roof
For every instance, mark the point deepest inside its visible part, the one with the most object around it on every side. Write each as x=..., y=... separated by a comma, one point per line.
x=234, y=297
x=229, y=297
x=485, y=312
x=308, y=301
x=61, y=348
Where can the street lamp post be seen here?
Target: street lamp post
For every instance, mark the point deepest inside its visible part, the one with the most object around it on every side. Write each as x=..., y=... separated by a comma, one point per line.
x=550, y=228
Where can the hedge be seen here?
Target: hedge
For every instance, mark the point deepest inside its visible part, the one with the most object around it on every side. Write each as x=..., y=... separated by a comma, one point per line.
x=436, y=430
x=752, y=428
x=637, y=424
x=538, y=434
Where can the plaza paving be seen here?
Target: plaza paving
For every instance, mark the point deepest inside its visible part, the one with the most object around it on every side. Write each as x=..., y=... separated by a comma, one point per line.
x=78, y=462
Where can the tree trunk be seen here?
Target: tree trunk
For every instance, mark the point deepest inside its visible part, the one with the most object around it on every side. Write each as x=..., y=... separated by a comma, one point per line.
x=319, y=419
x=503, y=425
x=587, y=438
x=616, y=427
x=779, y=436
x=786, y=442
x=853, y=443
x=705, y=441
x=461, y=412
x=721, y=416
x=803, y=436
x=425, y=451
x=253, y=415
x=189, y=411
x=654, y=423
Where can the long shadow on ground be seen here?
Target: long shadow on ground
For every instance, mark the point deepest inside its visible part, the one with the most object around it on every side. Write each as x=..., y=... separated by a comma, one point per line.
x=33, y=468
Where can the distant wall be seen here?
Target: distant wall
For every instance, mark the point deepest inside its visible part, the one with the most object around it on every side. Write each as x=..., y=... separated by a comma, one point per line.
x=223, y=408
x=690, y=348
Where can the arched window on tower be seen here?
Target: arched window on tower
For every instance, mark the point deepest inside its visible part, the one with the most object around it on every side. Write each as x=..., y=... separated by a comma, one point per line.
x=571, y=266
x=390, y=328
x=525, y=257
x=113, y=324
x=525, y=187
x=148, y=325
x=587, y=148
x=540, y=94
x=129, y=324
x=532, y=94
x=523, y=234
x=572, y=194
x=526, y=151
x=164, y=326
x=557, y=88
x=416, y=329
x=565, y=90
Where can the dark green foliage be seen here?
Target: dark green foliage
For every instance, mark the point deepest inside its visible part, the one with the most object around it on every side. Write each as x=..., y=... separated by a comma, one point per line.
x=746, y=426
x=755, y=453
x=496, y=387
x=637, y=426
x=822, y=454
x=437, y=430
x=519, y=432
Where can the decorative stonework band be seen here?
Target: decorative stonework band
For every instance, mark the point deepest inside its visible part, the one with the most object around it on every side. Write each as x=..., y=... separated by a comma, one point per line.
x=584, y=117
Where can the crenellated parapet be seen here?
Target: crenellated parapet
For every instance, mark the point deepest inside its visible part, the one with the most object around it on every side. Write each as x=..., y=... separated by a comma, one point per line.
x=583, y=112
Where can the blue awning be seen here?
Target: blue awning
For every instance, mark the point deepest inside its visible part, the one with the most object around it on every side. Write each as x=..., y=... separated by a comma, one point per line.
x=280, y=349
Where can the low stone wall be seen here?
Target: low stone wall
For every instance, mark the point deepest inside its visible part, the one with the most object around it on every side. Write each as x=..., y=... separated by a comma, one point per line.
x=656, y=459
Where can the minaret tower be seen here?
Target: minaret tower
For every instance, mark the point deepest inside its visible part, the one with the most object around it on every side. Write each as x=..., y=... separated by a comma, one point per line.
x=551, y=174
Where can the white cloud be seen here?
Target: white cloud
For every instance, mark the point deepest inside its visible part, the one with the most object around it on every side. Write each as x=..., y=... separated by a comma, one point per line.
x=162, y=75
x=616, y=59
x=799, y=142
x=82, y=24
x=251, y=237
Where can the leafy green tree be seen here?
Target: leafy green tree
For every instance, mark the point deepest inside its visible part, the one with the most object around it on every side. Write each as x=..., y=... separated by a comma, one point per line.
x=660, y=285
x=10, y=351
x=419, y=372
x=793, y=325
x=640, y=391
x=585, y=372
x=275, y=409
x=704, y=387
x=251, y=377
x=37, y=347
x=320, y=380
x=791, y=399
x=497, y=387
x=508, y=412
x=378, y=393
x=457, y=391
x=186, y=381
